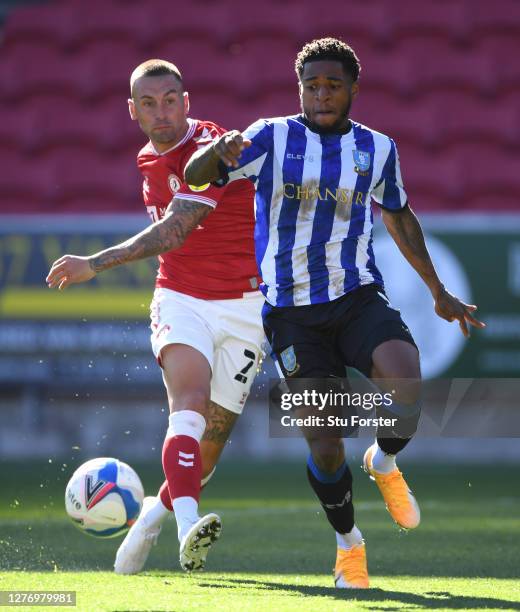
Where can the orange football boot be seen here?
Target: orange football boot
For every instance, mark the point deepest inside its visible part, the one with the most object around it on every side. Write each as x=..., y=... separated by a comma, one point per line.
x=399, y=500
x=351, y=568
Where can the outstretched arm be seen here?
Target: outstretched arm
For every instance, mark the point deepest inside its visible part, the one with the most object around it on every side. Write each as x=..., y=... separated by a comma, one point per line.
x=181, y=217
x=407, y=233
x=203, y=166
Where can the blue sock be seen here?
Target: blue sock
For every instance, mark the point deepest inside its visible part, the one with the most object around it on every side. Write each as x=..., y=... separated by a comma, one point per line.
x=334, y=490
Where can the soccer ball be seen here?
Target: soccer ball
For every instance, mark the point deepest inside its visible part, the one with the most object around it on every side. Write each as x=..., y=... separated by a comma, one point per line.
x=104, y=497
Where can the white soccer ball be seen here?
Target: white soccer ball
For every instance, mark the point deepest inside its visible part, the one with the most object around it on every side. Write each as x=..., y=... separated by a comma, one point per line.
x=104, y=497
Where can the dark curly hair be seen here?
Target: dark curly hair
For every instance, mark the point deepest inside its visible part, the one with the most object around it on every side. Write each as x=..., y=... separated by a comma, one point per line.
x=329, y=49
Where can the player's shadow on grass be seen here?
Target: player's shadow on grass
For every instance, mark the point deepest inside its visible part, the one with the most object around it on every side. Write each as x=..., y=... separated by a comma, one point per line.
x=428, y=601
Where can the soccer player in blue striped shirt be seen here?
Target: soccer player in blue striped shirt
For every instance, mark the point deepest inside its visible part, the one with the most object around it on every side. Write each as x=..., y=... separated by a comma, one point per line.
x=315, y=175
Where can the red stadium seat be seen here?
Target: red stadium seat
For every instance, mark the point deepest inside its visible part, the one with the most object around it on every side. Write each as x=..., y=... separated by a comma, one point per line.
x=489, y=169
x=469, y=173
x=16, y=127
x=199, y=21
x=108, y=66
x=432, y=17
x=50, y=23
x=368, y=20
x=435, y=175
x=23, y=75
x=67, y=143
x=66, y=179
x=471, y=119
x=275, y=19
x=130, y=22
x=404, y=120
x=57, y=122
x=112, y=180
x=203, y=66
x=391, y=72
x=419, y=64
x=86, y=203
x=424, y=201
x=24, y=179
x=264, y=63
x=68, y=171
x=201, y=63
x=501, y=17
x=32, y=203
x=218, y=106
x=510, y=103
x=501, y=48
x=188, y=54
x=452, y=69
x=277, y=102
x=441, y=119
x=364, y=47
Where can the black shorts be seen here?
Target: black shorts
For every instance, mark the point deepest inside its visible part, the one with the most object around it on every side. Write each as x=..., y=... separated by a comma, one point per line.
x=320, y=340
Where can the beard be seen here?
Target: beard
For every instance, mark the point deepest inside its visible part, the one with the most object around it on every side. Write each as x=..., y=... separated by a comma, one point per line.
x=336, y=127
x=163, y=136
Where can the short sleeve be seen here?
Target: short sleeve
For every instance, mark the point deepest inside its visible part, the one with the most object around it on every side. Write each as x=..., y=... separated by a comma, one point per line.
x=252, y=159
x=205, y=194
x=389, y=192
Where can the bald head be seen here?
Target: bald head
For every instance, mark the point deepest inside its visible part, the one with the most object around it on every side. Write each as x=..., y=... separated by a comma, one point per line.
x=159, y=103
x=152, y=68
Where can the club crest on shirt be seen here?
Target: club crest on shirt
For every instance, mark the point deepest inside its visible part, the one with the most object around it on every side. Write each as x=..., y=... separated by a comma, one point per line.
x=362, y=160
x=174, y=183
x=288, y=358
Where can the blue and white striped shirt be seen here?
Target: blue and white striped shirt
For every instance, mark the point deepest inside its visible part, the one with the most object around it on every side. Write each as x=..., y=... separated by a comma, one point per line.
x=313, y=211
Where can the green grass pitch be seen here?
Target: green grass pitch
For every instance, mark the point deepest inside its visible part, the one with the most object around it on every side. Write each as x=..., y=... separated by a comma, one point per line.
x=277, y=550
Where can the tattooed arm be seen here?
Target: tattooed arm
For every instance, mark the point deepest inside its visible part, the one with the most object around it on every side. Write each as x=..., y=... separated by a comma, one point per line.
x=406, y=231
x=181, y=217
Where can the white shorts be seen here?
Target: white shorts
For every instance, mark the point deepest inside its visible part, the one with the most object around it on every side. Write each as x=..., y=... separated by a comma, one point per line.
x=229, y=333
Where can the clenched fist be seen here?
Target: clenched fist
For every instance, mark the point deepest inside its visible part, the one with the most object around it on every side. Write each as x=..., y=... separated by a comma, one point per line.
x=229, y=147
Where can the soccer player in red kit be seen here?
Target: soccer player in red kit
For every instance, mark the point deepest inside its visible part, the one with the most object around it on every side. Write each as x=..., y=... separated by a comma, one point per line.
x=205, y=313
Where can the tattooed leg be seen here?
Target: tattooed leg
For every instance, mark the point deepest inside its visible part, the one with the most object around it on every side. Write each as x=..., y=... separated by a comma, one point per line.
x=219, y=424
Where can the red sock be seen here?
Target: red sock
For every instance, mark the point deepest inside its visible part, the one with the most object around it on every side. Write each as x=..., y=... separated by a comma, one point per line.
x=182, y=466
x=164, y=491
x=164, y=494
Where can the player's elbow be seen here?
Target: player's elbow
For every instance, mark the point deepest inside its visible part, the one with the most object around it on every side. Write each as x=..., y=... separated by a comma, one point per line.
x=189, y=173
x=192, y=174
x=202, y=168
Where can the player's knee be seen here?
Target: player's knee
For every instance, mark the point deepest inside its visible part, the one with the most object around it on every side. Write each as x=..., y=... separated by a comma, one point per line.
x=328, y=453
x=396, y=359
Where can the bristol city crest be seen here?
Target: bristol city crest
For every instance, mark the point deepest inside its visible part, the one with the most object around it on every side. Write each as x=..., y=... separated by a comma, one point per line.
x=174, y=183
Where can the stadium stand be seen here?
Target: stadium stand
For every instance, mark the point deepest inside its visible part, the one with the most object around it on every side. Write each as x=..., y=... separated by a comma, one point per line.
x=439, y=77
x=6, y=6
x=47, y=23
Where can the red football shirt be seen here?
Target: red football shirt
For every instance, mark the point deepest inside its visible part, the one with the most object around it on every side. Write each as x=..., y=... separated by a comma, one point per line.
x=217, y=260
